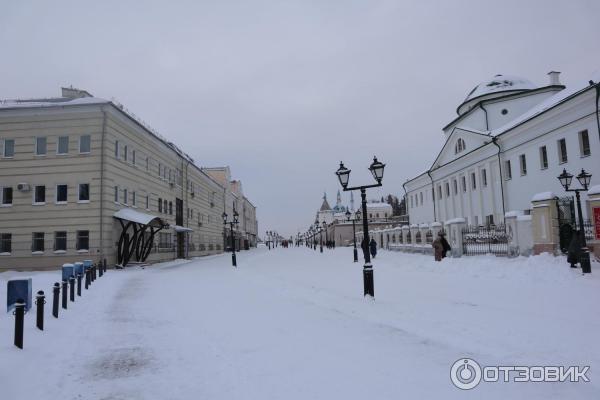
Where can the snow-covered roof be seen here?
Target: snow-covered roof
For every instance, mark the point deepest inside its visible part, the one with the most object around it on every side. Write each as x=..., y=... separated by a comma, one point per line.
x=129, y=214
x=594, y=190
x=179, y=228
x=499, y=83
x=543, y=196
x=51, y=102
x=369, y=205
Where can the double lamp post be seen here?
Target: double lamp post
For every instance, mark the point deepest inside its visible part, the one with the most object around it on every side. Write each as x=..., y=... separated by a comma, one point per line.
x=231, y=225
x=343, y=175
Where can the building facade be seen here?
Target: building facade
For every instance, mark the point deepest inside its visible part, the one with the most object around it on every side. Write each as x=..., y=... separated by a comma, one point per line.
x=82, y=178
x=510, y=140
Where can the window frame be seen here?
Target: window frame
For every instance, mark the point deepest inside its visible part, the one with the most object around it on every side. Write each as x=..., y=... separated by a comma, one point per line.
x=523, y=164
x=36, y=147
x=58, y=152
x=507, y=170
x=78, y=237
x=582, y=149
x=56, y=201
x=34, y=200
x=79, y=193
x=4, y=148
x=89, y=144
x=35, y=240
x=543, y=150
x=56, y=238
x=3, y=197
x=3, y=240
x=561, y=159
x=473, y=181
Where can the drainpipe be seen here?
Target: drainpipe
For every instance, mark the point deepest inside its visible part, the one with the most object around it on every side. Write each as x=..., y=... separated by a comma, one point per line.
x=405, y=201
x=597, y=100
x=432, y=195
x=103, y=140
x=494, y=141
x=487, y=125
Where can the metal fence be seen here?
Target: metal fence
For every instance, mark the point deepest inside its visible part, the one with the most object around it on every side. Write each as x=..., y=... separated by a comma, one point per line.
x=491, y=239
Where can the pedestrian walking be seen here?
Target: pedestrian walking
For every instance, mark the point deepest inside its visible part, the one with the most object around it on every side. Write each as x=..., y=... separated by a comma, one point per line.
x=445, y=245
x=373, y=248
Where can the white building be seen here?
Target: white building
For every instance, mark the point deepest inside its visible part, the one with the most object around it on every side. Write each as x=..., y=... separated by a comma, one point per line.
x=510, y=140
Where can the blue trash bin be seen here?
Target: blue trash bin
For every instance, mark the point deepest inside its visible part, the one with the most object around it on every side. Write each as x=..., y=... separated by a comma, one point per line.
x=68, y=270
x=78, y=268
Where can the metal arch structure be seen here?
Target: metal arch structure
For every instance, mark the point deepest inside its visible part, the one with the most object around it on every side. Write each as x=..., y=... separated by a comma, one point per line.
x=137, y=235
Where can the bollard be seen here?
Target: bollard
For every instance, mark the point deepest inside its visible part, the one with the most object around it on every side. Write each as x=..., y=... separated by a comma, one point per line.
x=104, y=265
x=72, y=288
x=87, y=278
x=40, y=300
x=100, y=269
x=78, y=284
x=64, y=295
x=55, y=291
x=19, y=319
x=94, y=268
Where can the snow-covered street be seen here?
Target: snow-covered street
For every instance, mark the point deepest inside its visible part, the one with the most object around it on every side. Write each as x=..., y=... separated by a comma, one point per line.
x=293, y=324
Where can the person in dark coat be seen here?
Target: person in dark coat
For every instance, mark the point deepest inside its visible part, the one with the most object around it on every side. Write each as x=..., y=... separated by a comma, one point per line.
x=574, y=249
x=445, y=245
x=373, y=248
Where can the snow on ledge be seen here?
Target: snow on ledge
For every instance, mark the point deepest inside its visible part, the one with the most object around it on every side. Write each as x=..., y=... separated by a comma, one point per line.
x=524, y=218
x=455, y=221
x=543, y=196
x=424, y=226
x=512, y=214
x=594, y=190
x=414, y=226
x=436, y=224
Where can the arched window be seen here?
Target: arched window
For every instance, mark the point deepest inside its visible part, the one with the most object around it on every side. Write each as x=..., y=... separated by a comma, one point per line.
x=459, y=146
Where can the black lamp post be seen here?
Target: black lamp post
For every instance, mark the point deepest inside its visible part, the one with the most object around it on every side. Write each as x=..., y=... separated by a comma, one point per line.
x=343, y=175
x=326, y=236
x=231, y=225
x=584, y=180
x=354, y=219
x=320, y=230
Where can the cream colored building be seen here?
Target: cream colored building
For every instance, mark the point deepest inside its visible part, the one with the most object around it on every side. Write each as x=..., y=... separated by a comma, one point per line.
x=77, y=171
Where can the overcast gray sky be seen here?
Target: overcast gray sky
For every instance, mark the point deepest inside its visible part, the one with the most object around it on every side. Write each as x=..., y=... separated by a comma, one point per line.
x=281, y=91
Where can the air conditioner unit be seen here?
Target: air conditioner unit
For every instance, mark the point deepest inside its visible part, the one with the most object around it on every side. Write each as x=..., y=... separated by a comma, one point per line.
x=23, y=187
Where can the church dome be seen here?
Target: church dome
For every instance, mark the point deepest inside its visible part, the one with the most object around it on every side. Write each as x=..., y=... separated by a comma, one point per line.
x=498, y=85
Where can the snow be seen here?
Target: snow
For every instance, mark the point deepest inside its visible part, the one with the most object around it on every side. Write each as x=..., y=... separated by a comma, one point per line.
x=373, y=205
x=129, y=214
x=455, y=221
x=293, y=324
x=58, y=102
x=594, y=190
x=512, y=214
x=543, y=196
x=500, y=83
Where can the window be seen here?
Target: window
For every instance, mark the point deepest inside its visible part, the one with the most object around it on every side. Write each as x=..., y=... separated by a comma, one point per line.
x=504, y=111
x=37, y=241
x=63, y=145
x=459, y=146
x=83, y=240
x=421, y=197
x=584, y=143
x=39, y=194
x=483, y=178
x=160, y=205
x=5, y=242
x=61, y=194
x=164, y=240
x=543, y=158
x=473, y=181
x=464, y=184
x=489, y=220
x=171, y=208
x=562, y=151
x=147, y=202
x=133, y=157
x=455, y=184
x=165, y=206
x=147, y=163
x=125, y=153
x=60, y=241
x=84, y=192
x=116, y=149
x=523, y=164
x=440, y=192
x=85, y=142
x=159, y=170
x=9, y=148
x=133, y=198
x=507, y=170
x=192, y=187
x=7, y=196
x=40, y=146
x=447, y=189
x=116, y=194
x=125, y=199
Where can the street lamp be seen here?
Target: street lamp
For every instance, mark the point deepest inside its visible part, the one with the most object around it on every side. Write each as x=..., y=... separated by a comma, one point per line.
x=231, y=225
x=343, y=175
x=584, y=180
x=356, y=218
x=326, y=237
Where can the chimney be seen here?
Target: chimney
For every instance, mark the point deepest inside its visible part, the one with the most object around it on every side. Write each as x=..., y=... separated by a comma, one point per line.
x=554, y=78
x=74, y=93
